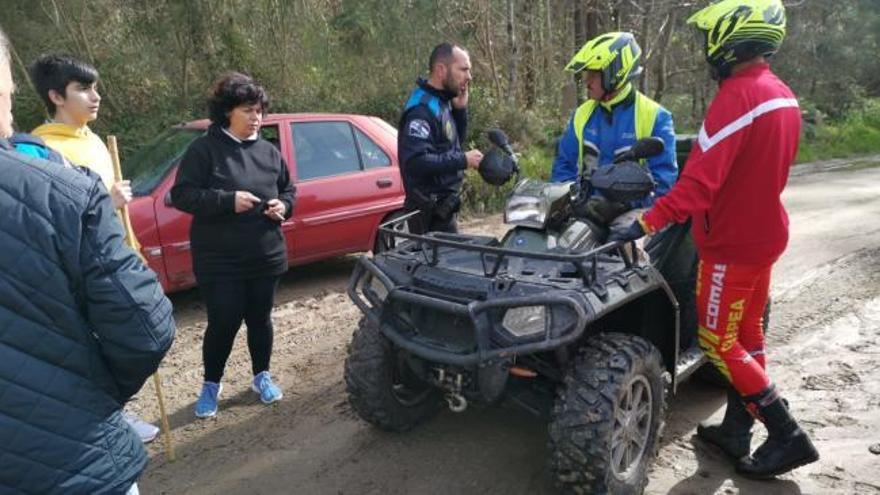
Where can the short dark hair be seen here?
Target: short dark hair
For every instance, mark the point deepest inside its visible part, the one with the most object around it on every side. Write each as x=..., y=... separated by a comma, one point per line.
x=54, y=71
x=441, y=54
x=231, y=90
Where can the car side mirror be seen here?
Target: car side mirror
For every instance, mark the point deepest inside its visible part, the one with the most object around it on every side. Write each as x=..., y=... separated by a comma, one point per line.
x=167, y=199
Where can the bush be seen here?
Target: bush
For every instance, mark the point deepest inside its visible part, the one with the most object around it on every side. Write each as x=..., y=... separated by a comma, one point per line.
x=856, y=133
x=478, y=197
x=533, y=134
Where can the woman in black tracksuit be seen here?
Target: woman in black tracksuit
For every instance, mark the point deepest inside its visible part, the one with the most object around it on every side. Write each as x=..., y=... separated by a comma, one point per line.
x=237, y=187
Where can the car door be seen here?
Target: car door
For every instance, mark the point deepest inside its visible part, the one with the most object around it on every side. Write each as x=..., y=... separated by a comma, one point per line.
x=346, y=183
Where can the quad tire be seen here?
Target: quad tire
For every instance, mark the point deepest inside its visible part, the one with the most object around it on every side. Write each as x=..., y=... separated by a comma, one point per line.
x=381, y=388
x=608, y=416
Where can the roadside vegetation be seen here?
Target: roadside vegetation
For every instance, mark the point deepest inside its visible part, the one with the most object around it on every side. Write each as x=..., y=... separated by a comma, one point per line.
x=855, y=133
x=158, y=58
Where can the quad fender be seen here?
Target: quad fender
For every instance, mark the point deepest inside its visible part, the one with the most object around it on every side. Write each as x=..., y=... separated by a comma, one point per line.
x=653, y=317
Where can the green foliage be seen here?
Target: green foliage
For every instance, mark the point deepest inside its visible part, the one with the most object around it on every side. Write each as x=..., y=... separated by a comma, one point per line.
x=680, y=105
x=157, y=59
x=856, y=133
x=478, y=197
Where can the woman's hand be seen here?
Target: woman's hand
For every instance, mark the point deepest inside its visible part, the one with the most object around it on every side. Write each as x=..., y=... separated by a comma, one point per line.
x=245, y=201
x=275, y=210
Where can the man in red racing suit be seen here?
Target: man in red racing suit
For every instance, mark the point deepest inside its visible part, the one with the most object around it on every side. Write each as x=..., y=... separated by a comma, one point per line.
x=730, y=188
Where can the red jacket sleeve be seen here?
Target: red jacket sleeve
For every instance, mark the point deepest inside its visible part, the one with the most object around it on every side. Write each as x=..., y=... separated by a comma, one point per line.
x=724, y=129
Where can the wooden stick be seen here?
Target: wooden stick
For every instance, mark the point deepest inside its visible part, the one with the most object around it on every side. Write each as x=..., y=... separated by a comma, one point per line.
x=132, y=242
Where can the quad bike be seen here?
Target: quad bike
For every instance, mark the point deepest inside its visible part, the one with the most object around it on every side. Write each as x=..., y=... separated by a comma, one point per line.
x=549, y=318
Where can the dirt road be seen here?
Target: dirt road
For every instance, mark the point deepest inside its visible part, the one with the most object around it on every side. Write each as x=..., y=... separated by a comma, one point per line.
x=824, y=355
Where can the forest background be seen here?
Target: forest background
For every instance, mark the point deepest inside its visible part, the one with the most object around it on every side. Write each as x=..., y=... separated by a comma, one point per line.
x=158, y=58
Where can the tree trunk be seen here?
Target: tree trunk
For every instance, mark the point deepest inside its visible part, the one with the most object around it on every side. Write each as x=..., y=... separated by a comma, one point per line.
x=490, y=45
x=661, y=54
x=512, y=65
x=530, y=50
x=646, y=49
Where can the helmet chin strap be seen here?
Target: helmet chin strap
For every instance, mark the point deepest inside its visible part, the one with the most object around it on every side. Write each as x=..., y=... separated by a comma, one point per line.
x=619, y=96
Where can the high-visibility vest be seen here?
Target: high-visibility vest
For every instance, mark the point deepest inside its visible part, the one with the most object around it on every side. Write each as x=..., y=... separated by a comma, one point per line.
x=646, y=113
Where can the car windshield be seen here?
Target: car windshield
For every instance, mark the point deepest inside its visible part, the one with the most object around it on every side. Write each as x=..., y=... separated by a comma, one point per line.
x=149, y=165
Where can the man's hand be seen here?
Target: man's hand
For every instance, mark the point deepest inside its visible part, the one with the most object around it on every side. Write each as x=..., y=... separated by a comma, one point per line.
x=631, y=233
x=461, y=101
x=245, y=201
x=474, y=157
x=120, y=193
x=275, y=210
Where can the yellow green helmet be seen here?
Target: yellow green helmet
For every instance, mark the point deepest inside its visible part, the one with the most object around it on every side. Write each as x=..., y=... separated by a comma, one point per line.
x=616, y=55
x=738, y=30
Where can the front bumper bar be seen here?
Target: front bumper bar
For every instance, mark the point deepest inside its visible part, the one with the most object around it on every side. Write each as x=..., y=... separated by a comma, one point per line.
x=370, y=303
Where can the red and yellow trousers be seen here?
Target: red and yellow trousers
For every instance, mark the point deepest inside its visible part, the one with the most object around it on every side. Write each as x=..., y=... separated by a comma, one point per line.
x=730, y=309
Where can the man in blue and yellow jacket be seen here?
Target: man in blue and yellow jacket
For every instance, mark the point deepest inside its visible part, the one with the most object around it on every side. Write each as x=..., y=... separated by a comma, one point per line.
x=614, y=117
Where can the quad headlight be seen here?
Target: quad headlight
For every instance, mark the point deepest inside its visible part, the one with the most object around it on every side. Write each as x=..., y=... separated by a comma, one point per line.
x=525, y=320
x=372, y=286
x=528, y=211
x=532, y=203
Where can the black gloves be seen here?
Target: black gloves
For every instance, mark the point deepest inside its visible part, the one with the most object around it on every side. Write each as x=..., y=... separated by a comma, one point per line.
x=599, y=210
x=631, y=233
x=603, y=210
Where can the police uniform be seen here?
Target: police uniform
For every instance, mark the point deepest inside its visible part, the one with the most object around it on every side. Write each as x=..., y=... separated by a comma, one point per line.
x=429, y=148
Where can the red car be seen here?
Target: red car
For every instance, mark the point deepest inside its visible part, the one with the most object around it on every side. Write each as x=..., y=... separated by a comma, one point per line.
x=347, y=181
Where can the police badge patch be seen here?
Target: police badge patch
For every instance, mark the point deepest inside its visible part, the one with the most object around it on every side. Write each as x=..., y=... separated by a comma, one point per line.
x=449, y=130
x=419, y=128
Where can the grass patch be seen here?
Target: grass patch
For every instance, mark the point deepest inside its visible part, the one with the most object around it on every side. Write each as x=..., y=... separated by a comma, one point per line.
x=857, y=133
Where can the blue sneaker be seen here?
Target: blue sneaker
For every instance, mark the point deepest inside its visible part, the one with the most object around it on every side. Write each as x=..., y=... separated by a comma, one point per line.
x=269, y=392
x=206, y=406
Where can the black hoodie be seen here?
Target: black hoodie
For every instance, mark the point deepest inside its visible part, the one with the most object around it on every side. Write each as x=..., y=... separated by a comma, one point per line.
x=228, y=245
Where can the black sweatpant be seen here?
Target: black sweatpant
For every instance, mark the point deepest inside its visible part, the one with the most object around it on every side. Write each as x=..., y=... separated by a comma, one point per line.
x=228, y=303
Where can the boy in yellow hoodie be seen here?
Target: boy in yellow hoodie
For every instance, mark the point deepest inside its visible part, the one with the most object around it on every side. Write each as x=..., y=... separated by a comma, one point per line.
x=68, y=87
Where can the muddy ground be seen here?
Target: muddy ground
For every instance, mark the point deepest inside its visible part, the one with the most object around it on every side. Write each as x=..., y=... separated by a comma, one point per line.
x=824, y=354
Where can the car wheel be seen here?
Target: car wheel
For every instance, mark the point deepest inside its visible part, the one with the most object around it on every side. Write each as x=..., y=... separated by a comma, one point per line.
x=608, y=416
x=385, y=243
x=381, y=387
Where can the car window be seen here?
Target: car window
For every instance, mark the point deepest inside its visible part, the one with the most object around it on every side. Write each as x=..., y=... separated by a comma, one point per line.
x=324, y=149
x=371, y=154
x=147, y=167
x=270, y=133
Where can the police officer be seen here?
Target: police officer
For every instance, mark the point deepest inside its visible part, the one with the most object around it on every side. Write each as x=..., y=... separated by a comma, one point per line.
x=429, y=141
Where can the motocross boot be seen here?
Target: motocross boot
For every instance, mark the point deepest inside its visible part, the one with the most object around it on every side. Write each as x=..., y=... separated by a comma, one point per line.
x=787, y=446
x=734, y=435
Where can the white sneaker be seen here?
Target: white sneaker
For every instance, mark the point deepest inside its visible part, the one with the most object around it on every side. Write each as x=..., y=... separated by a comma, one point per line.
x=145, y=430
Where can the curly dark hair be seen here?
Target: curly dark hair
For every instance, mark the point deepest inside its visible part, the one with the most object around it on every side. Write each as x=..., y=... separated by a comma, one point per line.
x=231, y=90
